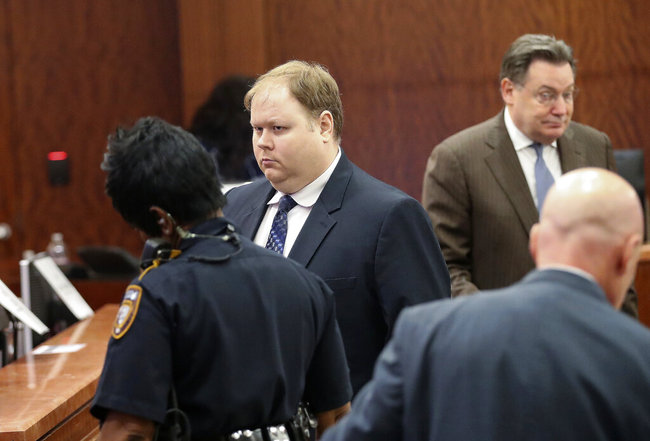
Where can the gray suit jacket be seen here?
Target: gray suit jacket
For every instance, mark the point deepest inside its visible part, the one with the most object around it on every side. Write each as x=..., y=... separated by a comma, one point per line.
x=545, y=359
x=480, y=204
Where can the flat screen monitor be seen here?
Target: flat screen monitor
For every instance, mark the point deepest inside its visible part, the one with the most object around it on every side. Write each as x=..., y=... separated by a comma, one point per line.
x=4, y=332
x=39, y=296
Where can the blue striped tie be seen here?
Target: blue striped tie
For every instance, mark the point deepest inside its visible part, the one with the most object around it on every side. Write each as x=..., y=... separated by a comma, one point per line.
x=543, y=177
x=278, y=233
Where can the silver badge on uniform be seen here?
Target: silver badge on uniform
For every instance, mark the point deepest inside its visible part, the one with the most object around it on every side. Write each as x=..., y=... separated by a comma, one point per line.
x=128, y=310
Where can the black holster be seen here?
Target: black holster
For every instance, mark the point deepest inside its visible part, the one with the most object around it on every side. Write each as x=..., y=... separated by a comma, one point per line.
x=176, y=426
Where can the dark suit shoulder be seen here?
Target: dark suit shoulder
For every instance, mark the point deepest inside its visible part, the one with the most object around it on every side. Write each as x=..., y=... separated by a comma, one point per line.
x=367, y=186
x=374, y=201
x=245, y=197
x=248, y=188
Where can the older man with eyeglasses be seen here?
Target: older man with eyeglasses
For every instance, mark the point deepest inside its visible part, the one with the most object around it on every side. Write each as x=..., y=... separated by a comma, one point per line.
x=484, y=186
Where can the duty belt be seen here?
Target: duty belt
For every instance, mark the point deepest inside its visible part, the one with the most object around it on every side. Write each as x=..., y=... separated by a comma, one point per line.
x=298, y=428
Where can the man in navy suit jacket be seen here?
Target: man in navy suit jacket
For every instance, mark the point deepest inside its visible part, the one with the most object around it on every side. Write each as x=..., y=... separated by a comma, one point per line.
x=548, y=358
x=371, y=243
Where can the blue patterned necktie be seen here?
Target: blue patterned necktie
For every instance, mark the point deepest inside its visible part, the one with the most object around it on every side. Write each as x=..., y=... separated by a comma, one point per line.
x=278, y=233
x=543, y=177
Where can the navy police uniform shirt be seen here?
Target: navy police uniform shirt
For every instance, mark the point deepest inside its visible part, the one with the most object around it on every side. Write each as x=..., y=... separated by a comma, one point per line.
x=243, y=333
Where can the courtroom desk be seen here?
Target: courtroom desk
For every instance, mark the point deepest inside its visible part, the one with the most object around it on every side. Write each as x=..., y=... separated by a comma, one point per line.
x=47, y=396
x=642, y=284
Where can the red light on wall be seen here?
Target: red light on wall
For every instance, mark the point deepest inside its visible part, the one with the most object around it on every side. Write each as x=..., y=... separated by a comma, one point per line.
x=57, y=168
x=57, y=156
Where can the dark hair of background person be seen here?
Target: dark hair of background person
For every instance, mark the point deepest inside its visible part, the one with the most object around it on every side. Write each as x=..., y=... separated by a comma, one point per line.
x=222, y=125
x=156, y=163
x=530, y=47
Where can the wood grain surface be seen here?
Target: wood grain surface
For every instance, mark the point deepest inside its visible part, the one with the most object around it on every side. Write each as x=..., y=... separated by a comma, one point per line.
x=51, y=392
x=78, y=70
x=411, y=73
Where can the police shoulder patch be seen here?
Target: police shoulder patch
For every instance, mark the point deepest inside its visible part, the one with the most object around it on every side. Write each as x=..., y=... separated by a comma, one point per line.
x=128, y=310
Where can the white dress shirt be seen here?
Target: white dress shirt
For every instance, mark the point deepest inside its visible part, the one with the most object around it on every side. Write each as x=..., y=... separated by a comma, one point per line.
x=527, y=155
x=296, y=218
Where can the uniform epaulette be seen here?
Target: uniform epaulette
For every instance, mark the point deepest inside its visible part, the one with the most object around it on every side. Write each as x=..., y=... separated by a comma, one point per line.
x=157, y=262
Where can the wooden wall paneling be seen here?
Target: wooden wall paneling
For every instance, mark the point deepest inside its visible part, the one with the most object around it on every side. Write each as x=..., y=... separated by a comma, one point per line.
x=411, y=73
x=82, y=68
x=414, y=72
x=9, y=192
x=218, y=39
x=614, y=71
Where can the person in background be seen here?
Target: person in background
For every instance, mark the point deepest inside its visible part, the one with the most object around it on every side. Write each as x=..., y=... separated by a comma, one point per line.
x=548, y=358
x=221, y=125
x=372, y=244
x=237, y=334
x=483, y=187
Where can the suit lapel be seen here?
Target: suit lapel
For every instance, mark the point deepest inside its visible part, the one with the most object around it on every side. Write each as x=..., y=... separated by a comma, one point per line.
x=320, y=222
x=255, y=211
x=506, y=168
x=571, y=152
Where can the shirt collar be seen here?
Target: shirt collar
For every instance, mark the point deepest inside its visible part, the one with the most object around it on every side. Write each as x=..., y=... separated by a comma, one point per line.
x=309, y=194
x=519, y=140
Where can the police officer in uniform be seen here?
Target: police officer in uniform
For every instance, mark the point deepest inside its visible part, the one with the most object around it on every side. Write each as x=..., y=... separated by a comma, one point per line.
x=235, y=334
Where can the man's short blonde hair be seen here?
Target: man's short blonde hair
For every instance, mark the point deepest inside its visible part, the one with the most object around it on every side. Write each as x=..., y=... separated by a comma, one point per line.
x=311, y=84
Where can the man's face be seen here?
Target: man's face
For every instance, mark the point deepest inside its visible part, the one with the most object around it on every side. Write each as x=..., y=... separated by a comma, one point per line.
x=288, y=142
x=542, y=107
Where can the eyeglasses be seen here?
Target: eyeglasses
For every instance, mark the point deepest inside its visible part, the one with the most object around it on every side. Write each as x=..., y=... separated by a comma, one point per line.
x=548, y=97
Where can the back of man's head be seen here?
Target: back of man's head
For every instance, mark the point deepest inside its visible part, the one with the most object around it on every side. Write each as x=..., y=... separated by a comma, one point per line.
x=156, y=164
x=591, y=220
x=311, y=84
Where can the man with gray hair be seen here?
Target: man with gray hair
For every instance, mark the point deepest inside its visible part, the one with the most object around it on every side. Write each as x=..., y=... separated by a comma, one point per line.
x=484, y=186
x=548, y=358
